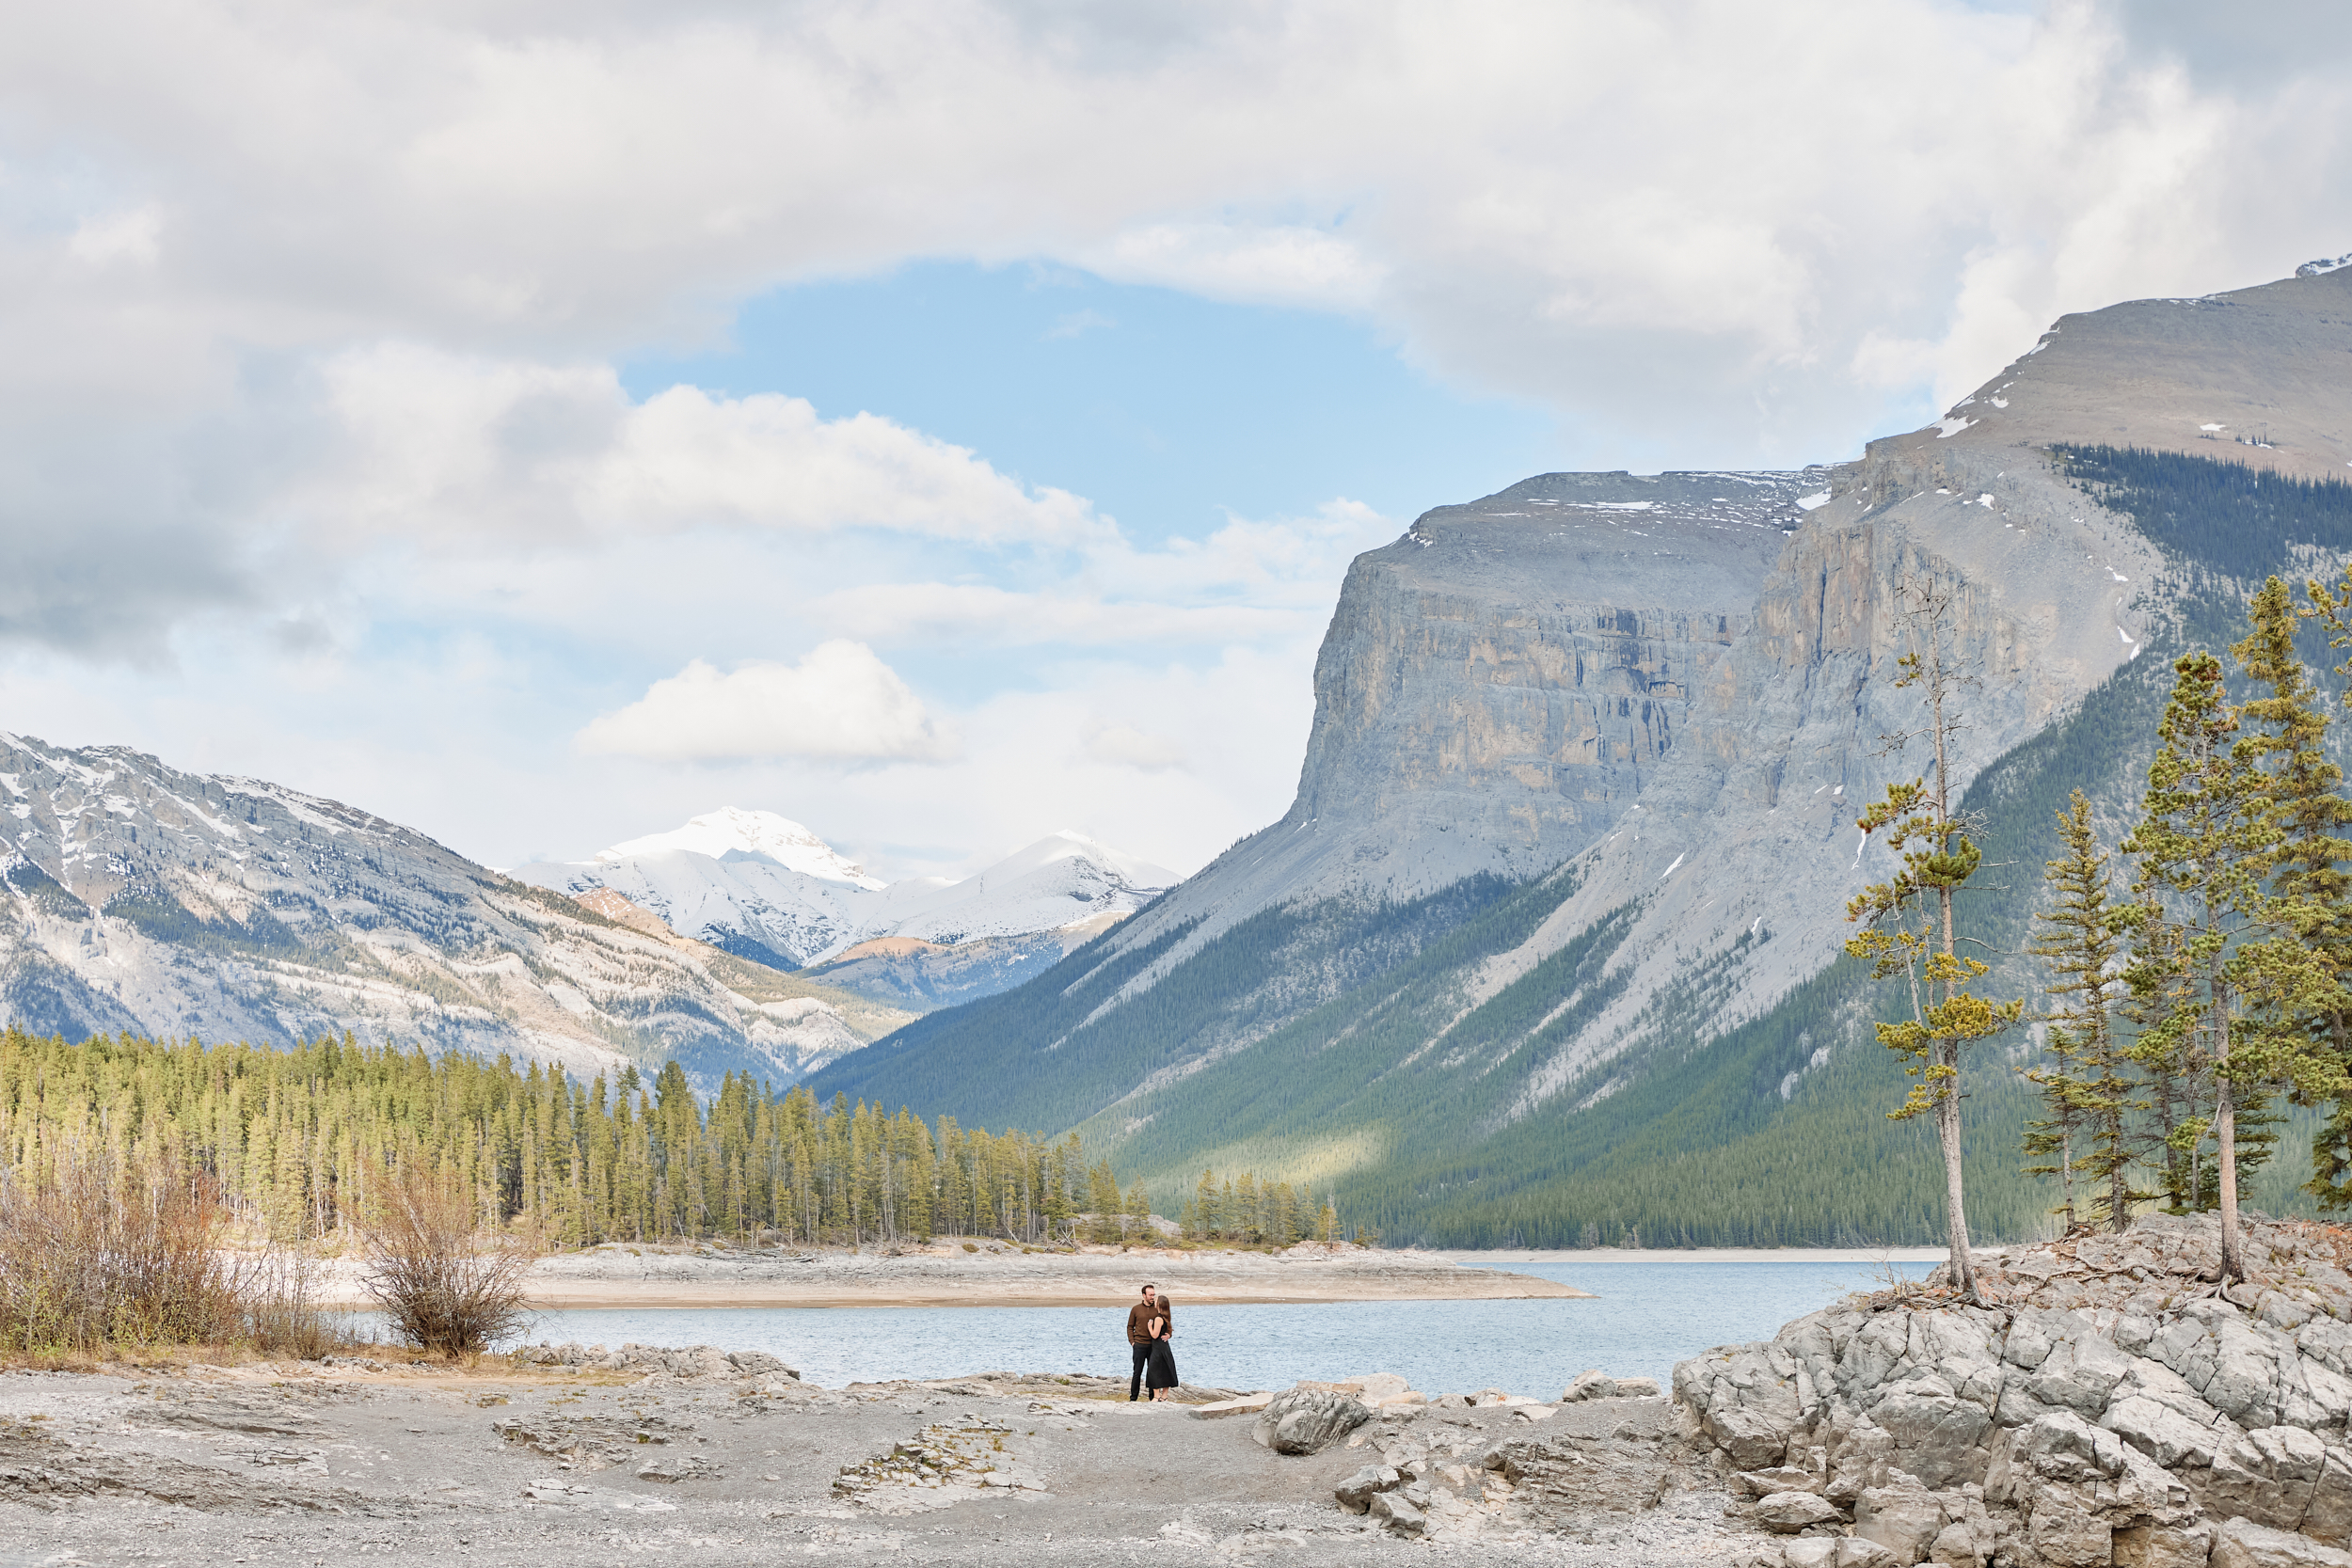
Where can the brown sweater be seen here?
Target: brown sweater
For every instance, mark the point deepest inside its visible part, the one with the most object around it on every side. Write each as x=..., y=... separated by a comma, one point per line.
x=1140, y=1318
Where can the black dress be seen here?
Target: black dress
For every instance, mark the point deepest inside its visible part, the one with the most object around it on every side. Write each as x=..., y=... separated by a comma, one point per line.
x=1160, y=1371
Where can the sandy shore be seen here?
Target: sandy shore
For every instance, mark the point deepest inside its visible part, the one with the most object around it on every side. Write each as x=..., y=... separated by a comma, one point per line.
x=996, y=1275
x=1907, y=1256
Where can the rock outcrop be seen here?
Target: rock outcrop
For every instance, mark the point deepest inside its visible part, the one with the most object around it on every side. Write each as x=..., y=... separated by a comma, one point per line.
x=2114, y=1405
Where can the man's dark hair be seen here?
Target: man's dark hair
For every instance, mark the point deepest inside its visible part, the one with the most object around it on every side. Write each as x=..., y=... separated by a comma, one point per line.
x=1148, y=1288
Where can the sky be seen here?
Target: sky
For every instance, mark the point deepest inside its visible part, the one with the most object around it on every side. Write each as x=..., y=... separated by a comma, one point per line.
x=948, y=421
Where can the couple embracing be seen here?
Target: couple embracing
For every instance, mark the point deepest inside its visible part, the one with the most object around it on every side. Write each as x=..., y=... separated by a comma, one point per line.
x=1150, y=1330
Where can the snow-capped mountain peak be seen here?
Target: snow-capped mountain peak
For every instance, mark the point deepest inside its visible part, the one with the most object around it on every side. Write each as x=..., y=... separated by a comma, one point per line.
x=734, y=831
x=1069, y=844
x=764, y=888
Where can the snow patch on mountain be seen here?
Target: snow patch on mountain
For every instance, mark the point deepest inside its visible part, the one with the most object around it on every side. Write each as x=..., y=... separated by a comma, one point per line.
x=733, y=831
x=764, y=888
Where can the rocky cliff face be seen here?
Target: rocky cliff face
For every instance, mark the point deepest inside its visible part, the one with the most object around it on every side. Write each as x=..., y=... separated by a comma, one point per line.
x=1499, y=685
x=1680, y=684
x=134, y=896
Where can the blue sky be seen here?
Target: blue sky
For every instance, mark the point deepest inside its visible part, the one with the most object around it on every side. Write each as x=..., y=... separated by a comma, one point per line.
x=947, y=421
x=1167, y=410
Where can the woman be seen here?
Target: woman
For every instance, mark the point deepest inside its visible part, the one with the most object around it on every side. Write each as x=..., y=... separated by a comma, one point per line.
x=1159, y=1372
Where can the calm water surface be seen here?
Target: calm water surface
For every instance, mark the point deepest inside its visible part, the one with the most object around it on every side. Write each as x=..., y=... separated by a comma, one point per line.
x=1645, y=1318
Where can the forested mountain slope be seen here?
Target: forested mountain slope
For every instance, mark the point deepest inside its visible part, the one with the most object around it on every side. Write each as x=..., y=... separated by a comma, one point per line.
x=137, y=897
x=1567, y=972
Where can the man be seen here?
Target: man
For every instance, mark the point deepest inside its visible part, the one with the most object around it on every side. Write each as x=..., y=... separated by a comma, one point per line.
x=1139, y=1319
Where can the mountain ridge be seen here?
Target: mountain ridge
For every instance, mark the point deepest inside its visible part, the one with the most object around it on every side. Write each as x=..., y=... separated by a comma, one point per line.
x=768, y=889
x=1680, y=860
x=138, y=898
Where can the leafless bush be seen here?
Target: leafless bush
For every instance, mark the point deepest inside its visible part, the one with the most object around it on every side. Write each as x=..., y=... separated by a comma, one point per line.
x=98, y=1254
x=282, y=1316
x=444, y=1287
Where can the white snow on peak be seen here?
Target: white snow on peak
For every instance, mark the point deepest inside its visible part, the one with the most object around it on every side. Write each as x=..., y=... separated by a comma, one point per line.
x=1062, y=879
x=2213, y=427
x=1820, y=497
x=764, y=887
x=732, y=830
x=2323, y=266
x=1952, y=425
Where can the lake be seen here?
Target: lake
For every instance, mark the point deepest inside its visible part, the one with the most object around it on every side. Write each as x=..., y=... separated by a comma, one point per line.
x=1644, y=1317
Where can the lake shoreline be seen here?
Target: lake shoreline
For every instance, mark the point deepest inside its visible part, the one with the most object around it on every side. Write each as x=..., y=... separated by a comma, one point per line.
x=1903, y=1257
x=684, y=1277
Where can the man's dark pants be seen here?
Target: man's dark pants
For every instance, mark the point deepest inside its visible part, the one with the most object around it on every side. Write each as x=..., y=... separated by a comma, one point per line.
x=1135, y=1384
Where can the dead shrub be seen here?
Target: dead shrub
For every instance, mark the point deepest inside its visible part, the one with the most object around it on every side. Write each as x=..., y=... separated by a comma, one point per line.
x=99, y=1255
x=282, y=1316
x=444, y=1287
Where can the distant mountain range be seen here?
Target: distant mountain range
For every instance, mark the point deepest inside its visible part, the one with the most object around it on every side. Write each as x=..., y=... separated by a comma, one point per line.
x=1545, y=951
x=135, y=896
x=764, y=888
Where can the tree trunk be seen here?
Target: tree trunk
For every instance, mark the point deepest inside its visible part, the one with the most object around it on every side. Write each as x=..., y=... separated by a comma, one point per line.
x=2225, y=1157
x=2225, y=1129
x=1955, y=1212
x=2119, y=1184
x=2066, y=1174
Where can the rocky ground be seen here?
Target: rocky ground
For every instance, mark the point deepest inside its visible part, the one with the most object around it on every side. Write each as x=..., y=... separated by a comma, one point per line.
x=698, y=1457
x=994, y=1274
x=2113, y=1404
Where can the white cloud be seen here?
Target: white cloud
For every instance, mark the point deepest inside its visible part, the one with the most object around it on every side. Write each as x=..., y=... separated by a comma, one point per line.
x=1076, y=324
x=118, y=237
x=1275, y=264
x=312, y=315
x=1121, y=746
x=840, y=703
x=467, y=449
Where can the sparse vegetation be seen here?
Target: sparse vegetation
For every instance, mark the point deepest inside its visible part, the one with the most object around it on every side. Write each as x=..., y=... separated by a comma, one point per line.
x=445, y=1286
x=105, y=1255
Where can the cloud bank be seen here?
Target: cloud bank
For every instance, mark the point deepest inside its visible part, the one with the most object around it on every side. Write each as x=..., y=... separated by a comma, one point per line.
x=314, y=458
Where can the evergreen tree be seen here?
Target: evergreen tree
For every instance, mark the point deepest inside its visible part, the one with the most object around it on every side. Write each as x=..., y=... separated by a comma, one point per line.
x=2309, y=875
x=2088, y=1092
x=1909, y=930
x=2207, y=841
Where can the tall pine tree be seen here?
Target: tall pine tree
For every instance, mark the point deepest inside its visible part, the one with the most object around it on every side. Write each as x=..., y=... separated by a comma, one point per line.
x=1910, y=928
x=2206, y=844
x=2089, y=1094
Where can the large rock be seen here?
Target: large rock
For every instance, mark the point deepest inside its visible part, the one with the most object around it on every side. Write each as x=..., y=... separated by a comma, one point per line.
x=2242, y=1543
x=2267, y=1476
x=1939, y=1436
x=1307, y=1421
x=1356, y=1493
x=1398, y=1513
x=1904, y=1520
x=1786, y=1513
x=1590, y=1384
x=2166, y=1435
x=2163, y=1546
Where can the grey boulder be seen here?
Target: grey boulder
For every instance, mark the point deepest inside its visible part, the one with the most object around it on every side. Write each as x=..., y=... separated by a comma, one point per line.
x=1356, y=1492
x=1786, y=1513
x=1308, y=1420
